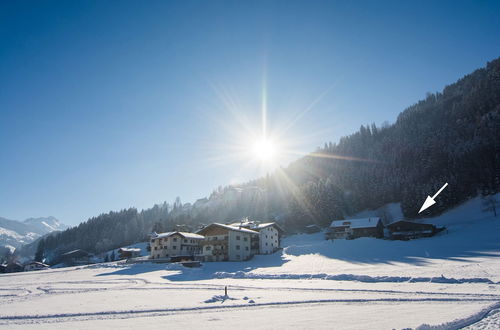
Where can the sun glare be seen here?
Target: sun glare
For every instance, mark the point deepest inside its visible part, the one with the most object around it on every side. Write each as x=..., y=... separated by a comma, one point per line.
x=264, y=150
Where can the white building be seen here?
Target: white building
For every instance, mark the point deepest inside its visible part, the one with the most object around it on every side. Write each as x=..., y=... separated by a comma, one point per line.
x=269, y=235
x=175, y=245
x=227, y=243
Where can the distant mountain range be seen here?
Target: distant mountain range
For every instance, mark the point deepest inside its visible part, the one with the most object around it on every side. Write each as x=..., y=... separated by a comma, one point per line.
x=14, y=234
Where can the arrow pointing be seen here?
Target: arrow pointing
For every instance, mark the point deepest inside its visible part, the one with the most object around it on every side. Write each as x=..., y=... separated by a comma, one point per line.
x=429, y=201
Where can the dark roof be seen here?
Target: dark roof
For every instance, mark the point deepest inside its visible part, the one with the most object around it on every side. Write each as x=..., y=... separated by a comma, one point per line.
x=228, y=227
x=76, y=254
x=411, y=223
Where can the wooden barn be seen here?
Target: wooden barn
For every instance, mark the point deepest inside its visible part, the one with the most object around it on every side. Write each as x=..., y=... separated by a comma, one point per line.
x=76, y=257
x=405, y=230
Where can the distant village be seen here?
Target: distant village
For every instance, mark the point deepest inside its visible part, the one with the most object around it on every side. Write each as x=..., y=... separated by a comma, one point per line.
x=238, y=241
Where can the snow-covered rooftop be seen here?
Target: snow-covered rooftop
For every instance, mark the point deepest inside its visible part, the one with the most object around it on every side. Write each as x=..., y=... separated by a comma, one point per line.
x=233, y=228
x=183, y=234
x=130, y=249
x=255, y=225
x=356, y=223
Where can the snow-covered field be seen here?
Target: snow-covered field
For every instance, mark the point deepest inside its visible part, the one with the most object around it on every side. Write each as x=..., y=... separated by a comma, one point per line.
x=448, y=281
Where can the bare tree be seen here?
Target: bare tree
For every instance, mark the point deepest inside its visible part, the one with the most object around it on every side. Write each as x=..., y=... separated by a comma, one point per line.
x=490, y=204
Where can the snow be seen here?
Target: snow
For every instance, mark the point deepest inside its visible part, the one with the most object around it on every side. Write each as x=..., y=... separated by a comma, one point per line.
x=448, y=281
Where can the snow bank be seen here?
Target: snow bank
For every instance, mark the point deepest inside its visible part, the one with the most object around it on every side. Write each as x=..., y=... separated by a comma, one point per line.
x=352, y=277
x=463, y=322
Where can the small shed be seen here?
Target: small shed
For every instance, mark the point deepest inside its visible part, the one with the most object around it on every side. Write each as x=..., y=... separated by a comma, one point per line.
x=311, y=229
x=127, y=253
x=12, y=267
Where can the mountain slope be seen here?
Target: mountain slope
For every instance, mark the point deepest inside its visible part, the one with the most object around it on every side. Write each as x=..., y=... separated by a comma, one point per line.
x=45, y=225
x=451, y=136
x=16, y=233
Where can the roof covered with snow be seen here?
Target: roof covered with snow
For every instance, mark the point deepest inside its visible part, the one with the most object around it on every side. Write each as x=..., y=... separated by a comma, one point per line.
x=356, y=223
x=255, y=225
x=231, y=227
x=130, y=249
x=183, y=234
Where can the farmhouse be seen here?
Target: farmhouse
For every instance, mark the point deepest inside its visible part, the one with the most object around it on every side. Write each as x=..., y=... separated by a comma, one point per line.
x=227, y=243
x=175, y=245
x=35, y=265
x=404, y=230
x=354, y=228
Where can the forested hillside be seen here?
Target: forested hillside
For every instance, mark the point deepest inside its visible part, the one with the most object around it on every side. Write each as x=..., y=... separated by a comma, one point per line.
x=451, y=136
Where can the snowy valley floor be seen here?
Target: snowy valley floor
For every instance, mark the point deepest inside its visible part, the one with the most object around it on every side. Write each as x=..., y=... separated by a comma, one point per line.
x=449, y=281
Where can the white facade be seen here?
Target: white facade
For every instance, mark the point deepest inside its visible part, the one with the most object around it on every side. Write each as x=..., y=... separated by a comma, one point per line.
x=269, y=235
x=174, y=244
x=269, y=240
x=226, y=243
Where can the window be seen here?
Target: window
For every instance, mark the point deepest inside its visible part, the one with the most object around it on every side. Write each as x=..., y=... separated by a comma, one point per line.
x=208, y=248
x=237, y=247
x=156, y=248
x=237, y=237
x=175, y=247
x=271, y=237
x=245, y=239
x=157, y=256
x=175, y=239
x=185, y=241
x=266, y=236
x=153, y=240
x=266, y=243
x=246, y=248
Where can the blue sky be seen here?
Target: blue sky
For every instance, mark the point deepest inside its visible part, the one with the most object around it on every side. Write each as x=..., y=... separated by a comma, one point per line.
x=110, y=104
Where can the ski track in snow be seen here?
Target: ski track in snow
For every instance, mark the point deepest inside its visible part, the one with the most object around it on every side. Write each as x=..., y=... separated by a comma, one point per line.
x=449, y=281
x=23, y=319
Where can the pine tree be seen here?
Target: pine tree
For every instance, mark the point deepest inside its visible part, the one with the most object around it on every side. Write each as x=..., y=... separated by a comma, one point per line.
x=39, y=255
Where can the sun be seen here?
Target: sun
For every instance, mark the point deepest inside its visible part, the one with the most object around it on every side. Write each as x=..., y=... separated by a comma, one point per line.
x=264, y=149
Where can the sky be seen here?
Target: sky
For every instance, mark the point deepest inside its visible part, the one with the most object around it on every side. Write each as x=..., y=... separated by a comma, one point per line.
x=106, y=105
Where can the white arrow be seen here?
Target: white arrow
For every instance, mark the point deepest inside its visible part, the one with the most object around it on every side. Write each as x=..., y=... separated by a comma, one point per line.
x=429, y=201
